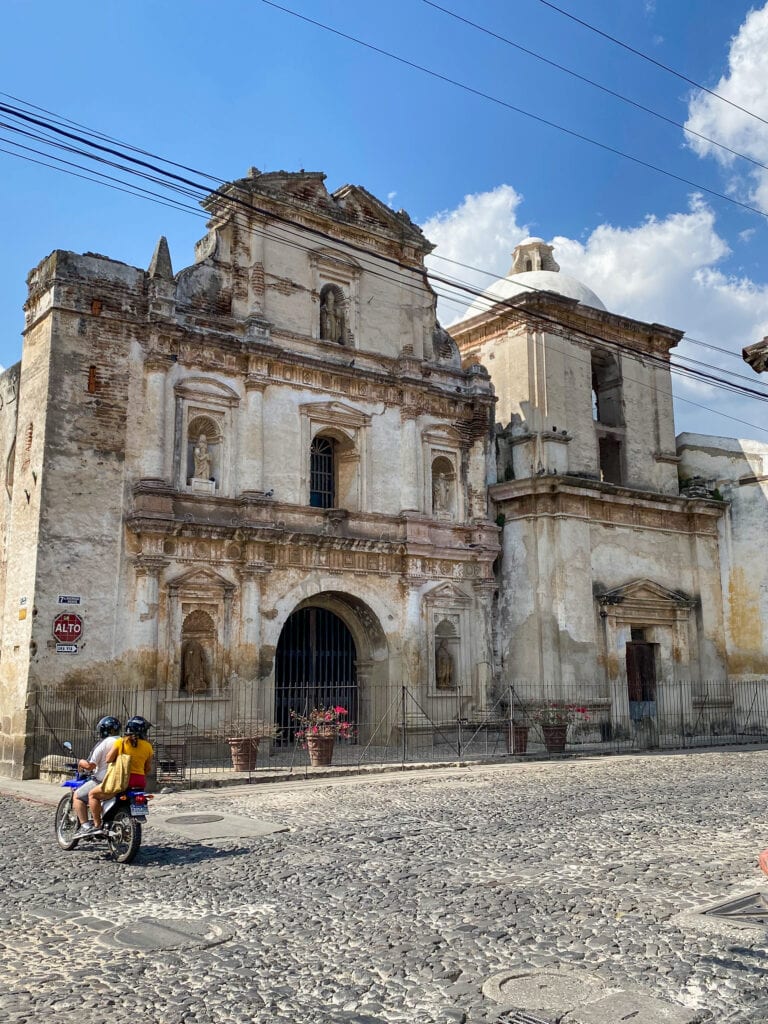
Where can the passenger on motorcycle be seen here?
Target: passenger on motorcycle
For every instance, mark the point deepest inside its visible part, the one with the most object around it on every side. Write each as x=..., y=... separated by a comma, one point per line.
x=107, y=729
x=134, y=743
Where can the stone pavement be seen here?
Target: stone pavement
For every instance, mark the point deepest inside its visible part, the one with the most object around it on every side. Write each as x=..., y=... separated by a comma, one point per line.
x=401, y=898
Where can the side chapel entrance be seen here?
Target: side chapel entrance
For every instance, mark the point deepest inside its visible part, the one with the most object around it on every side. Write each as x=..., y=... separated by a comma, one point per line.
x=315, y=665
x=641, y=676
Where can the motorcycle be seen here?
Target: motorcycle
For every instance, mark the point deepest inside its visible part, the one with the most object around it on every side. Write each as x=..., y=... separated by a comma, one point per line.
x=122, y=817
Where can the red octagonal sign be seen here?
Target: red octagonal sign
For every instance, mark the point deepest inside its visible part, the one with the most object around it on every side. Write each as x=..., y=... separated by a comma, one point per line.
x=67, y=628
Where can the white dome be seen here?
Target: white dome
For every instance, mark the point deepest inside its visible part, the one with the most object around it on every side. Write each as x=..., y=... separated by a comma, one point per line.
x=529, y=282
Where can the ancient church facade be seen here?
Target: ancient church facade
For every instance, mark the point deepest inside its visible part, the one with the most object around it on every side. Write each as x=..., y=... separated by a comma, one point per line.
x=279, y=438
x=274, y=470
x=625, y=575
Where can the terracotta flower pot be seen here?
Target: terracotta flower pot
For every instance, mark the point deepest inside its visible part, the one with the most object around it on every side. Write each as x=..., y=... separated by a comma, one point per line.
x=244, y=750
x=517, y=739
x=554, y=738
x=320, y=749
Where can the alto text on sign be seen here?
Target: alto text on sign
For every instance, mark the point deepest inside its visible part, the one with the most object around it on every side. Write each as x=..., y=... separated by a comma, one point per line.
x=67, y=628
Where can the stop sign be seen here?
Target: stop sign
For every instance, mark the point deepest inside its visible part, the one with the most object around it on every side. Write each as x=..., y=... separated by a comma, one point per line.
x=67, y=628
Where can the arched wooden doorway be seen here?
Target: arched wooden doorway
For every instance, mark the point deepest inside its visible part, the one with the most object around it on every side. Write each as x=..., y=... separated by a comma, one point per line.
x=315, y=666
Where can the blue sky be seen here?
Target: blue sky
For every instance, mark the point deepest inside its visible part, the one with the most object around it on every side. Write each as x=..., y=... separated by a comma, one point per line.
x=228, y=85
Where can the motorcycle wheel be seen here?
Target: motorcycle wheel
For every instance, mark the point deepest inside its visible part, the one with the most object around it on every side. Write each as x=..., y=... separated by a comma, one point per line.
x=66, y=824
x=124, y=837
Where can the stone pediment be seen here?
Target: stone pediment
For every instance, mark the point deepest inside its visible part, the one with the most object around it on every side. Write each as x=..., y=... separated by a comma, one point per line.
x=362, y=207
x=643, y=593
x=448, y=595
x=335, y=414
x=200, y=579
x=334, y=258
x=349, y=204
x=206, y=387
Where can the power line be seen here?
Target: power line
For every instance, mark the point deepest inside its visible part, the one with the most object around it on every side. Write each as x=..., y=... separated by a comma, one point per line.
x=519, y=110
x=652, y=60
x=197, y=186
x=525, y=314
x=108, y=138
x=595, y=85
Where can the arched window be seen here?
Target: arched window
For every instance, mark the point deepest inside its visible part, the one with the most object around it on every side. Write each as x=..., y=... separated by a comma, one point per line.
x=10, y=464
x=607, y=399
x=322, y=473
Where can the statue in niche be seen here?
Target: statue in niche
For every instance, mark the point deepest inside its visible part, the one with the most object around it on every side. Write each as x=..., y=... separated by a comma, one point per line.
x=194, y=668
x=443, y=667
x=332, y=321
x=202, y=458
x=441, y=493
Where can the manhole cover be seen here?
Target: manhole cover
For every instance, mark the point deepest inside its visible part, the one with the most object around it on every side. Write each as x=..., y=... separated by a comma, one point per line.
x=150, y=933
x=520, y=1017
x=195, y=819
x=544, y=991
x=751, y=909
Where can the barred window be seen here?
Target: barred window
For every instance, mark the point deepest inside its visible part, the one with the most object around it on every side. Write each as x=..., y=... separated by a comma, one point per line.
x=322, y=473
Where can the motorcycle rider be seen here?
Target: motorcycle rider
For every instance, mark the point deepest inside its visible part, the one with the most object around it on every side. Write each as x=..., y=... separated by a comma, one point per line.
x=107, y=730
x=140, y=749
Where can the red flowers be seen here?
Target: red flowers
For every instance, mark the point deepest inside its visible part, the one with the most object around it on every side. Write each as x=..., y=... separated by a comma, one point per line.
x=330, y=721
x=558, y=712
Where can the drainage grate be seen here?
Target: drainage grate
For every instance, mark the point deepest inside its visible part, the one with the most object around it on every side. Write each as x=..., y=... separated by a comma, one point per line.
x=750, y=909
x=520, y=1017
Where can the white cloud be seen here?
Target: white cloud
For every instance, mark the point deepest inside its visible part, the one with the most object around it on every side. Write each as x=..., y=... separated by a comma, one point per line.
x=481, y=232
x=742, y=84
x=663, y=271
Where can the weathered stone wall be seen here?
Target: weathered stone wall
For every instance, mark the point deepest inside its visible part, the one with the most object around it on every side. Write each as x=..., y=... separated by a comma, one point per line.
x=738, y=471
x=128, y=369
x=22, y=530
x=580, y=567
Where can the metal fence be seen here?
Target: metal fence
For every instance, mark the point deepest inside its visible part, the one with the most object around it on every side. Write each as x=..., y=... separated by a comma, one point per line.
x=192, y=734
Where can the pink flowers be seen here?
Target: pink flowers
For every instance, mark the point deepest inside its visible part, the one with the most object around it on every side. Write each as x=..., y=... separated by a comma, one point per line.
x=323, y=721
x=558, y=713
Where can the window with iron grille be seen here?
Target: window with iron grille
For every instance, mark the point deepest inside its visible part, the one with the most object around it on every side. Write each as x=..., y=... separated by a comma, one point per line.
x=322, y=473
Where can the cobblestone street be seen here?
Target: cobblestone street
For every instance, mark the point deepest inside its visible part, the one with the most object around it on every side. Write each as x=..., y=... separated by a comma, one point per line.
x=393, y=898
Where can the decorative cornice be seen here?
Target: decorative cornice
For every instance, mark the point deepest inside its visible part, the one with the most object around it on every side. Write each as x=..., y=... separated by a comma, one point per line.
x=602, y=503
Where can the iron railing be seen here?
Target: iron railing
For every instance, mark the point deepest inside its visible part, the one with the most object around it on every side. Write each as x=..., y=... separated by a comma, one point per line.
x=409, y=726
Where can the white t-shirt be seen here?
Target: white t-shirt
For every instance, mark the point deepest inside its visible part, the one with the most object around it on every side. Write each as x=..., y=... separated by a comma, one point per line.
x=99, y=755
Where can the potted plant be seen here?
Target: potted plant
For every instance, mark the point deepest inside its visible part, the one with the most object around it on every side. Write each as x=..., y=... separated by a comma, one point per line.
x=554, y=717
x=243, y=735
x=319, y=729
x=517, y=736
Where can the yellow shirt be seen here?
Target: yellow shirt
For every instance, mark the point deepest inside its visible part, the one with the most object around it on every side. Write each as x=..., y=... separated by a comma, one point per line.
x=140, y=754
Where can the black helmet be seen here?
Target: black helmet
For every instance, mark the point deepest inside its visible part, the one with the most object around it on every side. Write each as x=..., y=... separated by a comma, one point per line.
x=108, y=726
x=137, y=726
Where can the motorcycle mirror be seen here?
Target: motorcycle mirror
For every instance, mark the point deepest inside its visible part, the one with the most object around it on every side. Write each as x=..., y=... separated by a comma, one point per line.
x=67, y=745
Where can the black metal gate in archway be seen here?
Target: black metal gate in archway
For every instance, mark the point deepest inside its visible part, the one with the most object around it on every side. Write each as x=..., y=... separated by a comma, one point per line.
x=315, y=666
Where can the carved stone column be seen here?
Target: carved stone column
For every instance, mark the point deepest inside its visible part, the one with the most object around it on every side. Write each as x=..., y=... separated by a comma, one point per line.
x=252, y=437
x=409, y=464
x=153, y=459
x=249, y=639
x=146, y=627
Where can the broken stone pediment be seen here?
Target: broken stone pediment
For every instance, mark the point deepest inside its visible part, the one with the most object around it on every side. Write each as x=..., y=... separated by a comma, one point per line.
x=447, y=594
x=198, y=579
x=643, y=592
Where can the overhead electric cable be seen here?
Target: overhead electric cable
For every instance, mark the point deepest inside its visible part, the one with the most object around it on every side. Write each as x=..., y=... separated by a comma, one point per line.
x=108, y=138
x=652, y=60
x=421, y=271
x=595, y=85
x=199, y=187
x=518, y=110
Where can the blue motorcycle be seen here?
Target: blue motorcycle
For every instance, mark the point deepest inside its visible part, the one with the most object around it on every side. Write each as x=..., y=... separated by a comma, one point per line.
x=122, y=817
